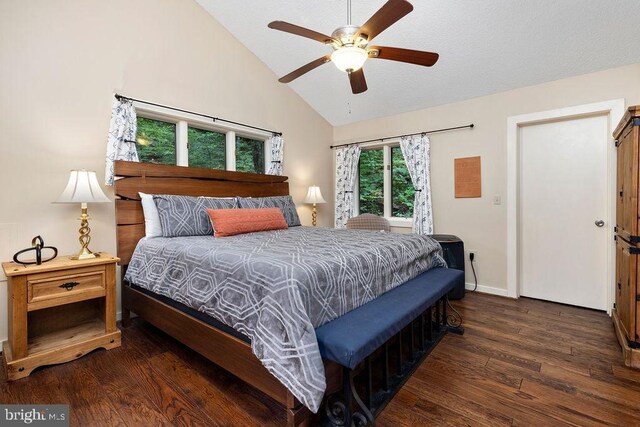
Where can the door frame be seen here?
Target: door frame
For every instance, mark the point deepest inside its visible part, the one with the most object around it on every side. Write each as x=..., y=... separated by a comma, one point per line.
x=614, y=109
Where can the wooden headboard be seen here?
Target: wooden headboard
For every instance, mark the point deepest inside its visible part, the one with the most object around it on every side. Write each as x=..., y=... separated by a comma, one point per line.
x=163, y=179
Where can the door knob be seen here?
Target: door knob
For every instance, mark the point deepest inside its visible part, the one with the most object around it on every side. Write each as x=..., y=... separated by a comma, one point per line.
x=599, y=223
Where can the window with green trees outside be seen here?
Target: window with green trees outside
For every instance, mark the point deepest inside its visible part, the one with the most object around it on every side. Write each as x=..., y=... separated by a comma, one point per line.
x=249, y=155
x=371, y=183
x=156, y=141
x=207, y=149
x=402, y=191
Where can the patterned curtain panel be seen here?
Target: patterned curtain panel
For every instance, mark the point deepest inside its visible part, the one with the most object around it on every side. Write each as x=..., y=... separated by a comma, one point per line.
x=346, y=173
x=416, y=151
x=277, y=155
x=122, y=134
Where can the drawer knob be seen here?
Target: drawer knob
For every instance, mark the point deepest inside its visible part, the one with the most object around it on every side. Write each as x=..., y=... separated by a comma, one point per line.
x=69, y=285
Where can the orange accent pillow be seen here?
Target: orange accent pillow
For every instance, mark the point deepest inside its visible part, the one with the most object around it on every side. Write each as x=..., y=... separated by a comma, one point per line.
x=229, y=222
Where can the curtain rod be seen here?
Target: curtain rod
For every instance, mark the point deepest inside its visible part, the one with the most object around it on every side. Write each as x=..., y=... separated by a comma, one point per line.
x=408, y=134
x=215, y=119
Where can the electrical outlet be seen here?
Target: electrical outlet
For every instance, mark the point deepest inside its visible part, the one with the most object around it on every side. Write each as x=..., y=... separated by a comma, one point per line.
x=473, y=256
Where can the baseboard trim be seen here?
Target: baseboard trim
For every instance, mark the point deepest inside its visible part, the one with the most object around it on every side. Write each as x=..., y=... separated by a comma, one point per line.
x=487, y=289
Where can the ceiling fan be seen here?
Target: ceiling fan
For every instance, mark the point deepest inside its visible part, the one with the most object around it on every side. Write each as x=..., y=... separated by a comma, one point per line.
x=351, y=44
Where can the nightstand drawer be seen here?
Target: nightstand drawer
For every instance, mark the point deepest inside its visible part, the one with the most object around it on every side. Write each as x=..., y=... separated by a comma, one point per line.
x=63, y=287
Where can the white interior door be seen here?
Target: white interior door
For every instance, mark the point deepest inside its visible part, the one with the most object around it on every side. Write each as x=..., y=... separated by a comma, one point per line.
x=563, y=181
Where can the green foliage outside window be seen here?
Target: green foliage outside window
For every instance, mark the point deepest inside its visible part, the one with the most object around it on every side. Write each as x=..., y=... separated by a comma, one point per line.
x=249, y=155
x=371, y=183
x=402, y=191
x=156, y=141
x=206, y=149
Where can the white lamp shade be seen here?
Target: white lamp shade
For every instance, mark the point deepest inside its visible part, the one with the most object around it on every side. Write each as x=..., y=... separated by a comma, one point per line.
x=349, y=58
x=82, y=187
x=314, y=195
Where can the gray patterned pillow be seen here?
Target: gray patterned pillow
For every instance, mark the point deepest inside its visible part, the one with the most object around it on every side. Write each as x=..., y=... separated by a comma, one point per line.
x=285, y=203
x=187, y=215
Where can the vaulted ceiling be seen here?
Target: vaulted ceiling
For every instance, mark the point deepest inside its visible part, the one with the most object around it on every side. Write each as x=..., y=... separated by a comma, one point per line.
x=485, y=46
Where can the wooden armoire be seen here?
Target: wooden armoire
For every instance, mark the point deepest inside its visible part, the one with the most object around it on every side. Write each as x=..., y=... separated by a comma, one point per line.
x=626, y=313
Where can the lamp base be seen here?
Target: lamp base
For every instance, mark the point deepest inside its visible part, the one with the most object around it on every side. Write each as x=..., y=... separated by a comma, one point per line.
x=85, y=253
x=314, y=216
x=85, y=237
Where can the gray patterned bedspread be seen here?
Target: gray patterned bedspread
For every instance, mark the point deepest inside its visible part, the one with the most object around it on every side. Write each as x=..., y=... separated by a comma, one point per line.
x=277, y=286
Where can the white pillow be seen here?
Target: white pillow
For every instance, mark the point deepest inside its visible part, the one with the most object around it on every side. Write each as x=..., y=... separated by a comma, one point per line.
x=152, y=225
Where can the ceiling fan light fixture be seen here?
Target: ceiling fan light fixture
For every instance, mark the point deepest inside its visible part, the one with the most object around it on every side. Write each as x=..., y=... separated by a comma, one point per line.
x=349, y=58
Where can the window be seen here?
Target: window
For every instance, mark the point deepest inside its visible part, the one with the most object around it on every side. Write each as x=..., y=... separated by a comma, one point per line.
x=207, y=149
x=402, y=191
x=384, y=184
x=188, y=140
x=156, y=141
x=249, y=155
x=370, y=182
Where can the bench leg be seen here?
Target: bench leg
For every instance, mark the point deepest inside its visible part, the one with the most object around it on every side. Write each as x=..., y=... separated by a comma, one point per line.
x=412, y=343
x=362, y=416
x=421, y=330
x=385, y=378
x=399, y=361
x=369, y=384
x=452, y=322
x=444, y=310
x=340, y=412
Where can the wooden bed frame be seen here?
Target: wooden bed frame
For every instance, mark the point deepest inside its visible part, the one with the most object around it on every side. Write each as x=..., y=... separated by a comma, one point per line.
x=223, y=349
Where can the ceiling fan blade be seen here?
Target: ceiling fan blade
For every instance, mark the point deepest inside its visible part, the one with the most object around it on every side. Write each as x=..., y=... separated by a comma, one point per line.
x=358, y=82
x=386, y=16
x=417, y=57
x=304, y=69
x=300, y=31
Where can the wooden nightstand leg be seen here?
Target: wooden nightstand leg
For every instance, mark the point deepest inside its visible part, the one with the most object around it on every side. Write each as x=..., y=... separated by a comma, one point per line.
x=110, y=299
x=18, y=316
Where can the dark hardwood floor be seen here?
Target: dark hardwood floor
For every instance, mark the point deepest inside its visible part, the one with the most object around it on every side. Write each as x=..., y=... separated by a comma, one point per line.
x=524, y=362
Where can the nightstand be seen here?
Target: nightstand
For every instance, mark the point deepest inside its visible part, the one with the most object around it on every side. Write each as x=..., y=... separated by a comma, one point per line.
x=59, y=311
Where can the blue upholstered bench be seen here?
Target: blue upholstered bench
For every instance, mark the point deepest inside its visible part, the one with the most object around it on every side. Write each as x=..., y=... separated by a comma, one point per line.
x=351, y=338
x=348, y=339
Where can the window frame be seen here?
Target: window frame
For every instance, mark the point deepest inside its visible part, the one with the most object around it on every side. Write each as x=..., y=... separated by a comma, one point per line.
x=183, y=121
x=387, y=182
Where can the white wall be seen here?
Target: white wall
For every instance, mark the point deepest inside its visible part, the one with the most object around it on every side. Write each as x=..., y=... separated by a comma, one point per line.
x=61, y=61
x=482, y=225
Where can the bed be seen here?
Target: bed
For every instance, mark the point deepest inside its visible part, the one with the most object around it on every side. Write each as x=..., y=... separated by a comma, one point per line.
x=272, y=348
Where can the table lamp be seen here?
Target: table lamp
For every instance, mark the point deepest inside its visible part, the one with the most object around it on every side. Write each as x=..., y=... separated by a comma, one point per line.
x=83, y=188
x=314, y=196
